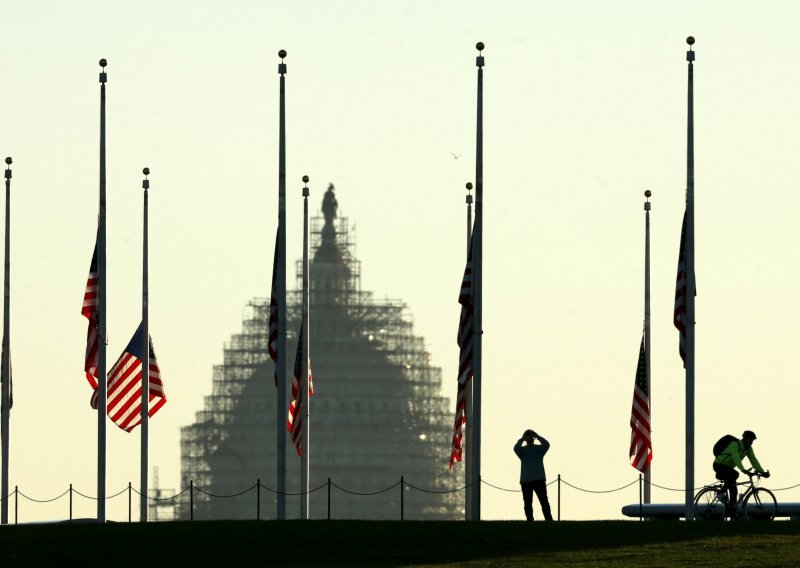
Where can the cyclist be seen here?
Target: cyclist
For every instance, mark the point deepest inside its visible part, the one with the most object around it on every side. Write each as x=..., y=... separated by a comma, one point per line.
x=732, y=456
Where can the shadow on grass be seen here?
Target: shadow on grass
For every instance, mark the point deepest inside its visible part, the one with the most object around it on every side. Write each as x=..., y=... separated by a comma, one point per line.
x=349, y=543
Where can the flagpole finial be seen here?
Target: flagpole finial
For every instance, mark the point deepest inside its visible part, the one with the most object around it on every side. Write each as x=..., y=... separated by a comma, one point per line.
x=305, y=186
x=479, y=60
x=8, y=167
x=145, y=181
x=103, y=76
x=647, y=195
x=690, y=53
x=282, y=65
x=469, y=192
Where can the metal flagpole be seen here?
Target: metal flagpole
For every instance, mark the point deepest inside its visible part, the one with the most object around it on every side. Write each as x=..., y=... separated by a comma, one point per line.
x=477, y=299
x=468, y=394
x=146, y=360
x=690, y=285
x=649, y=471
x=306, y=398
x=280, y=371
x=5, y=402
x=101, y=297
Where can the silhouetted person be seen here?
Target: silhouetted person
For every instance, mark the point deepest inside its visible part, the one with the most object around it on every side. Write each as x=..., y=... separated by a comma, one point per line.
x=532, y=477
x=730, y=456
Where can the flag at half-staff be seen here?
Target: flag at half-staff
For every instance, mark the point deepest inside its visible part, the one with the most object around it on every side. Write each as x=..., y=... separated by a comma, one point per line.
x=125, y=384
x=679, y=315
x=272, y=346
x=295, y=421
x=90, y=312
x=465, y=334
x=641, y=450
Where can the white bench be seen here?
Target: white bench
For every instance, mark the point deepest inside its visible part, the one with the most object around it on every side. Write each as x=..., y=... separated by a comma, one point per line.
x=676, y=512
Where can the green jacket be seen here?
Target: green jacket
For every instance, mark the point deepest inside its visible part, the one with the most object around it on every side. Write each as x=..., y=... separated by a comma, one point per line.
x=733, y=454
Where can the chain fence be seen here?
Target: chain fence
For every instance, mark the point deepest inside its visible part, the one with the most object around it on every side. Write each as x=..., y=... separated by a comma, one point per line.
x=404, y=485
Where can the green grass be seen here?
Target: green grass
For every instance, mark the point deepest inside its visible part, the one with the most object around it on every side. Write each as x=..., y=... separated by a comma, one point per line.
x=362, y=543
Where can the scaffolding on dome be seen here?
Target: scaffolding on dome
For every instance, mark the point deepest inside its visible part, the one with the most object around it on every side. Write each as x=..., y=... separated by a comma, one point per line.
x=377, y=412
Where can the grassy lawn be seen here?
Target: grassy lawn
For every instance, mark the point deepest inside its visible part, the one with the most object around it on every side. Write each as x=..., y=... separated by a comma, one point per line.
x=362, y=543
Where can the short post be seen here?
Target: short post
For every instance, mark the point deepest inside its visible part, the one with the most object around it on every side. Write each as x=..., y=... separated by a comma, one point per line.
x=329, y=498
x=129, y=501
x=191, y=499
x=258, y=499
x=16, y=503
x=402, y=499
x=640, y=497
x=70, y=502
x=559, y=496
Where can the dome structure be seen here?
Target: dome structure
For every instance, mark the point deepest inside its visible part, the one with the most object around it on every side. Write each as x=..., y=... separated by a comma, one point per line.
x=377, y=412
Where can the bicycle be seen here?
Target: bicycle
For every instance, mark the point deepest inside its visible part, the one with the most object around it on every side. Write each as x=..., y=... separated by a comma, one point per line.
x=756, y=503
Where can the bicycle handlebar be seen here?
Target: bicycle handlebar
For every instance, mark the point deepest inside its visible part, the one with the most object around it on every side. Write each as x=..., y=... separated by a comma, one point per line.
x=753, y=473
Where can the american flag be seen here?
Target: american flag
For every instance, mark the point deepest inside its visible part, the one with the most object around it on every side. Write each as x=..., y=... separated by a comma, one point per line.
x=295, y=422
x=273, y=312
x=89, y=311
x=125, y=385
x=465, y=332
x=680, y=295
x=10, y=381
x=641, y=452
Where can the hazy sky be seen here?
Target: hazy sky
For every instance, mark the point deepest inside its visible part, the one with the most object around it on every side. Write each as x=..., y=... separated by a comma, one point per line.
x=585, y=108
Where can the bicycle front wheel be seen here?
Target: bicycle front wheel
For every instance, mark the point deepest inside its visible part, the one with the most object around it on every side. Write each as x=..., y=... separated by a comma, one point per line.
x=707, y=505
x=760, y=505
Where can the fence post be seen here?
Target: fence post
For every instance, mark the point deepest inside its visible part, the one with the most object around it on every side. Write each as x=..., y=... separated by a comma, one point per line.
x=402, y=499
x=559, y=496
x=258, y=499
x=329, y=498
x=70, y=502
x=16, y=502
x=129, y=501
x=191, y=499
x=640, y=497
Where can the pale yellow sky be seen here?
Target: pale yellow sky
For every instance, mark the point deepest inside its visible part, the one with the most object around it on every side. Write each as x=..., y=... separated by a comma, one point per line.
x=585, y=108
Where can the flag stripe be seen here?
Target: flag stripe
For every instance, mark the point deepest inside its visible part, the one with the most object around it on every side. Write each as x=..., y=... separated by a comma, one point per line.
x=125, y=386
x=641, y=449
x=90, y=312
x=464, y=338
x=295, y=421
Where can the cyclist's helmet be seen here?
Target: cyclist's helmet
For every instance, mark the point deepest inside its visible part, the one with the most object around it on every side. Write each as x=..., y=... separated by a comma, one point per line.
x=748, y=435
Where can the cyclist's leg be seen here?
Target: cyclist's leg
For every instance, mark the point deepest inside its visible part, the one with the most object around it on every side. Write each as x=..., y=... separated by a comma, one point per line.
x=728, y=475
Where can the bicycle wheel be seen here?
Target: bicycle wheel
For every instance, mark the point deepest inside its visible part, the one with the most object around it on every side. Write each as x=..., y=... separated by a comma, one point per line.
x=760, y=505
x=707, y=505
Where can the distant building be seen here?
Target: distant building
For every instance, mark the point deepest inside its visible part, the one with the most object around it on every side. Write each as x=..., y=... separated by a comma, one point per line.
x=377, y=412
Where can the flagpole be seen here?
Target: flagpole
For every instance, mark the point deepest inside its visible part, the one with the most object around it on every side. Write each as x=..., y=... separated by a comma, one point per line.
x=649, y=471
x=143, y=493
x=478, y=298
x=5, y=402
x=468, y=394
x=280, y=366
x=306, y=398
x=101, y=295
x=690, y=287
